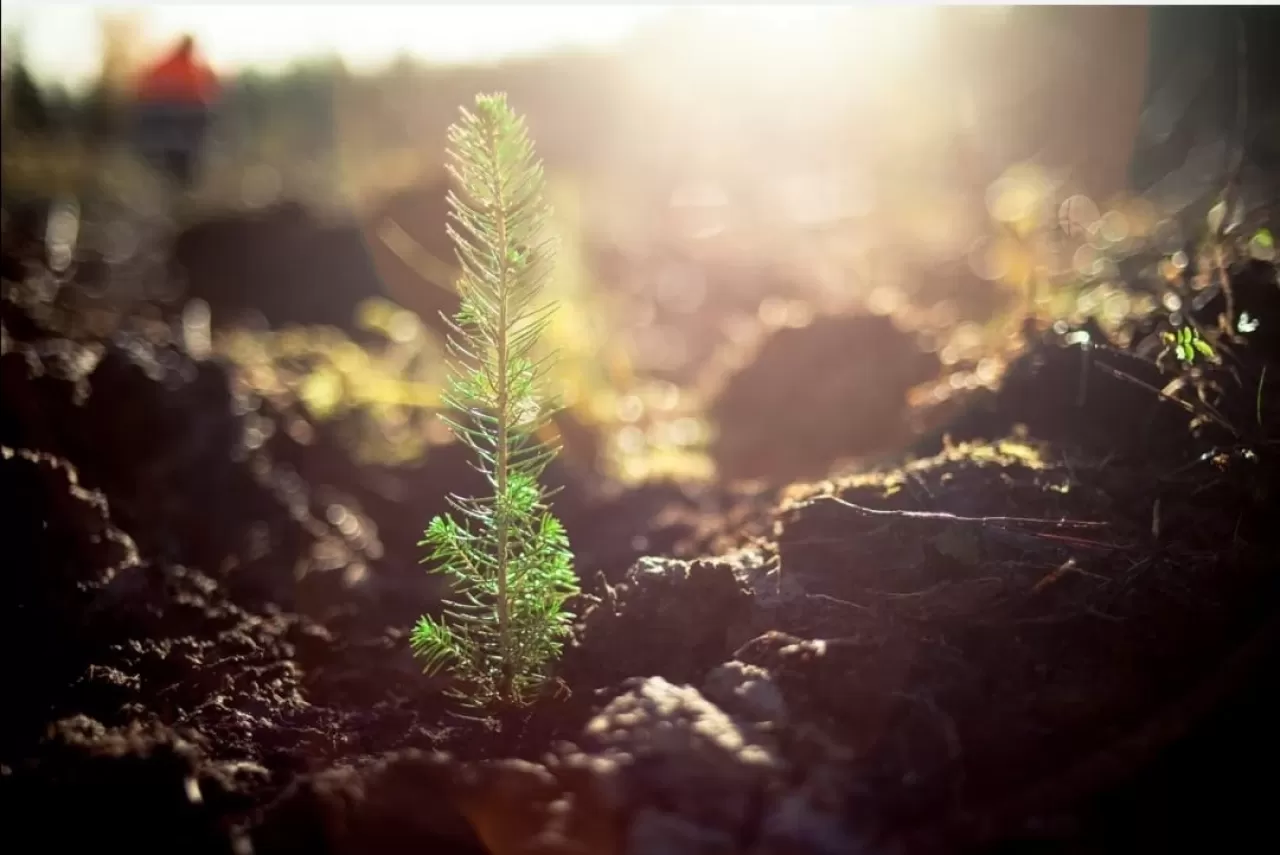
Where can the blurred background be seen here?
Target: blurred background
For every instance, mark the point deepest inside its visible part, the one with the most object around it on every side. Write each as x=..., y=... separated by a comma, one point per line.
x=810, y=222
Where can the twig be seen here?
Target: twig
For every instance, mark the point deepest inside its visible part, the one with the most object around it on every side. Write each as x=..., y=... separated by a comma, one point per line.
x=950, y=517
x=925, y=486
x=901, y=595
x=1261, y=379
x=1082, y=390
x=1208, y=410
x=1054, y=575
x=904, y=595
x=1224, y=282
x=1090, y=610
x=829, y=599
x=1203, y=458
x=1079, y=541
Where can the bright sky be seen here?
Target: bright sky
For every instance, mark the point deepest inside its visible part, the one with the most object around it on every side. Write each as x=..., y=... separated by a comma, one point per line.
x=61, y=38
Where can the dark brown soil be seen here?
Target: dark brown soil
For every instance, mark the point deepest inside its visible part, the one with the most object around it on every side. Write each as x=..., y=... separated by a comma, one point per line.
x=288, y=266
x=836, y=388
x=1049, y=631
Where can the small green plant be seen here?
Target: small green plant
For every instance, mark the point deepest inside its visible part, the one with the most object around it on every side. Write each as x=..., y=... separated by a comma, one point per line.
x=507, y=555
x=1187, y=343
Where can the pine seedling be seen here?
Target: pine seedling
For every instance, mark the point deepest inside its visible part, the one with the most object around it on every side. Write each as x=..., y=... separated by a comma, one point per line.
x=507, y=556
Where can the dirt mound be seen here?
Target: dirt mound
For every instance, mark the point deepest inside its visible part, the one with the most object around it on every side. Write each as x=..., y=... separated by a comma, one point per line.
x=1081, y=390
x=836, y=388
x=292, y=268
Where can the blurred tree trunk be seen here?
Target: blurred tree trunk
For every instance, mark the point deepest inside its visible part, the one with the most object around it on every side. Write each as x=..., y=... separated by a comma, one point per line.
x=1211, y=103
x=25, y=107
x=1061, y=86
x=105, y=107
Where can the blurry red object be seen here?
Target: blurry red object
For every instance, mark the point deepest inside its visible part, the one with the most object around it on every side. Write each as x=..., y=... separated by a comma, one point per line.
x=181, y=77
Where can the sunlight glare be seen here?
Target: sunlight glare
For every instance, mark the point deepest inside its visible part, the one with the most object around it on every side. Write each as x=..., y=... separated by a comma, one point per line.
x=779, y=47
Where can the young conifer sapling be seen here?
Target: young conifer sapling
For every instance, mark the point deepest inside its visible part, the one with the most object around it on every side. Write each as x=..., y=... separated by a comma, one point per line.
x=507, y=556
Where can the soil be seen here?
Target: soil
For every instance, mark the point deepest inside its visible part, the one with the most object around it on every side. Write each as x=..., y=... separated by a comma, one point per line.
x=1047, y=625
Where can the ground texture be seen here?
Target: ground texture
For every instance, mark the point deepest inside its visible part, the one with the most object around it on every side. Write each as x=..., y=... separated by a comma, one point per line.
x=1046, y=626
